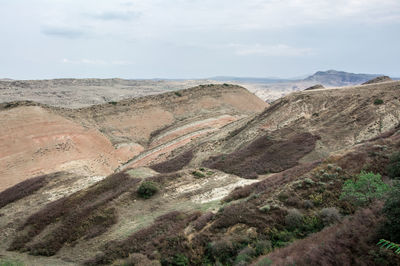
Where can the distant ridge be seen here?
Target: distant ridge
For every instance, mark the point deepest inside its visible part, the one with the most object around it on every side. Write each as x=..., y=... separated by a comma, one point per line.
x=340, y=78
x=250, y=79
x=326, y=78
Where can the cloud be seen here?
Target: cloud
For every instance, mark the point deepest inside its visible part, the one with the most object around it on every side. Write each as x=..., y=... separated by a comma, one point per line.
x=160, y=19
x=63, y=32
x=96, y=62
x=116, y=15
x=269, y=50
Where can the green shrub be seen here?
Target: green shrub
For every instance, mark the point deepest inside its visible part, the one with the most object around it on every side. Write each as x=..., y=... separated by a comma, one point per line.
x=136, y=259
x=308, y=204
x=263, y=262
x=311, y=224
x=265, y=208
x=309, y=181
x=198, y=174
x=393, y=167
x=244, y=256
x=283, y=196
x=113, y=103
x=281, y=238
x=181, y=260
x=10, y=263
x=147, y=189
x=316, y=199
x=378, y=101
x=366, y=188
x=177, y=93
x=329, y=215
x=294, y=219
x=262, y=247
x=221, y=250
x=391, y=210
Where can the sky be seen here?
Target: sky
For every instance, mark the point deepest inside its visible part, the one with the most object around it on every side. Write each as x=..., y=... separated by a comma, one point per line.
x=197, y=38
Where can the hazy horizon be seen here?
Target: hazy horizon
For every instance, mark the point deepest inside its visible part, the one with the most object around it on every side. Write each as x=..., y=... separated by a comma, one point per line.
x=193, y=39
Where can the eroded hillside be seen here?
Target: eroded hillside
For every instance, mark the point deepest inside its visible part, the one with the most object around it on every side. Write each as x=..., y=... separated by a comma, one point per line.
x=216, y=180
x=341, y=117
x=38, y=139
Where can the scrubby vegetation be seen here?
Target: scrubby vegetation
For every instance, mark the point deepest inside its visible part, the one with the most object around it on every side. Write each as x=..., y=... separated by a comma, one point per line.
x=198, y=174
x=22, y=190
x=162, y=241
x=393, y=167
x=264, y=155
x=174, y=164
x=391, y=227
x=271, y=183
x=329, y=216
x=326, y=212
x=147, y=189
x=378, y=101
x=348, y=243
x=83, y=214
x=4, y=262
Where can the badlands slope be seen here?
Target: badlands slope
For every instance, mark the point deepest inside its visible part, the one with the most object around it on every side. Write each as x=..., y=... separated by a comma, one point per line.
x=94, y=141
x=229, y=170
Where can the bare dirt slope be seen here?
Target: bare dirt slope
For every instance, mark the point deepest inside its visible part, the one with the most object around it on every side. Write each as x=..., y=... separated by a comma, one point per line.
x=34, y=141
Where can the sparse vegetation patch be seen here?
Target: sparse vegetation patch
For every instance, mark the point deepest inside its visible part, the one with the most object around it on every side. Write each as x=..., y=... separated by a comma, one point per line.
x=163, y=240
x=82, y=214
x=22, y=190
x=174, y=164
x=198, y=174
x=264, y=155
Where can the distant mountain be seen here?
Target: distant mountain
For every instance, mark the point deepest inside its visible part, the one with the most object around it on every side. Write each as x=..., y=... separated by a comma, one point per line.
x=249, y=79
x=340, y=78
x=326, y=78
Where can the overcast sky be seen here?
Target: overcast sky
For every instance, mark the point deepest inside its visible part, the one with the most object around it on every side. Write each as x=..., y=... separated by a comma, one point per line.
x=197, y=38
